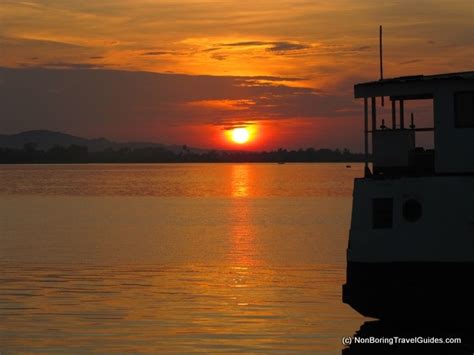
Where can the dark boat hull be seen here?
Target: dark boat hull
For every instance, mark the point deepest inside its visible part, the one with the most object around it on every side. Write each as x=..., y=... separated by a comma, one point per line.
x=411, y=290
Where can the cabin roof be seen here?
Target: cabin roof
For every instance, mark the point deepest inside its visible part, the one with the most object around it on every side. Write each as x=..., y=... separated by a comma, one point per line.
x=410, y=87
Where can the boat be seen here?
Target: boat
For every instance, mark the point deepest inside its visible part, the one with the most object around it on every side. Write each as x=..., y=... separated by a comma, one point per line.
x=410, y=252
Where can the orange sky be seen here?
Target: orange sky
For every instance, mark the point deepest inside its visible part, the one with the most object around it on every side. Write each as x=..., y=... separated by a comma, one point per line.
x=285, y=66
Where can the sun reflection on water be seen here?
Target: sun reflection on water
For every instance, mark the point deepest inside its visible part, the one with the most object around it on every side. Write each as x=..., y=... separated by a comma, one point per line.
x=240, y=180
x=242, y=232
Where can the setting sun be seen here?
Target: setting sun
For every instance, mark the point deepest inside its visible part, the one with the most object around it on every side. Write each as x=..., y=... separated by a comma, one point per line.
x=240, y=135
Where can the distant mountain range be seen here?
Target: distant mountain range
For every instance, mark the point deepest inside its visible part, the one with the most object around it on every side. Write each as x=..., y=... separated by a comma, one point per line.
x=59, y=148
x=48, y=139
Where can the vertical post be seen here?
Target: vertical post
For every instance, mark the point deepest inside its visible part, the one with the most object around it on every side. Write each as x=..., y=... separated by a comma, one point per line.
x=374, y=114
x=402, y=115
x=394, y=115
x=366, y=136
x=374, y=129
x=412, y=121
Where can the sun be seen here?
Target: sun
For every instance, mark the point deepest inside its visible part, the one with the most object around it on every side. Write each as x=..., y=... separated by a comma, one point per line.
x=240, y=135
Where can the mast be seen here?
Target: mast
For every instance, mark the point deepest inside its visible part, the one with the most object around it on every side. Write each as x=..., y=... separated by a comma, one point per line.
x=380, y=57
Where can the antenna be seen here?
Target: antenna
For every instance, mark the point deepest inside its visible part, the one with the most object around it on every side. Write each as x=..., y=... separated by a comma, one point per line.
x=380, y=48
x=380, y=55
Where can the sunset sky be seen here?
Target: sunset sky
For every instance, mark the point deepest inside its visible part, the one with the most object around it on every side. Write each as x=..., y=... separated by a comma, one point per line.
x=184, y=72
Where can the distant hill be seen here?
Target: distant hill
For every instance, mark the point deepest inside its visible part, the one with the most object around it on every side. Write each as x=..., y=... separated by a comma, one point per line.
x=59, y=148
x=48, y=139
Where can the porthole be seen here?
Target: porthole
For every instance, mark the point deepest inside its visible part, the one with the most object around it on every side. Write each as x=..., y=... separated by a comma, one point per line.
x=412, y=210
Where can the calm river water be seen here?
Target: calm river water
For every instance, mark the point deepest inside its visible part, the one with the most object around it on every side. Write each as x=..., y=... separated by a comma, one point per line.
x=175, y=258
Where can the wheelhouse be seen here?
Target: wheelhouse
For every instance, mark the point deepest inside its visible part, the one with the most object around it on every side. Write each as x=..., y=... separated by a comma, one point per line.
x=394, y=137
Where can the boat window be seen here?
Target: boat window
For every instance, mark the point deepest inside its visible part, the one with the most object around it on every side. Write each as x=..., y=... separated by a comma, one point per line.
x=464, y=109
x=412, y=210
x=382, y=213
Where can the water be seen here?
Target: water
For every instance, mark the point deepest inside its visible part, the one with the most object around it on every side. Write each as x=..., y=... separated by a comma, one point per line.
x=175, y=257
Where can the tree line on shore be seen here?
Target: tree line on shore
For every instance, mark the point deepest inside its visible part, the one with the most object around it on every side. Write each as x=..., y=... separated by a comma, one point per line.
x=80, y=154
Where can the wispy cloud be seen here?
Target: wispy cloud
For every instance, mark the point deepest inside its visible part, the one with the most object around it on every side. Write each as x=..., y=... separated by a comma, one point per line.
x=153, y=53
x=245, y=44
x=37, y=42
x=63, y=65
x=287, y=46
x=272, y=46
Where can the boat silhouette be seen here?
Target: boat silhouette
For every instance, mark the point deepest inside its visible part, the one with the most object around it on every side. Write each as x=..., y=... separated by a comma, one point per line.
x=410, y=253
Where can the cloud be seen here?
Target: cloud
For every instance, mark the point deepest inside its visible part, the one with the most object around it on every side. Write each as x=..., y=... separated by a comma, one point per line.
x=45, y=44
x=271, y=46
x=246, y=44
x=218, y=56
x=235, y=125
x=287, y=46
x=224, y=104
x=295, y=49
x=106, y=101
x=63, y=65
x=262, y=78
x=156, y=53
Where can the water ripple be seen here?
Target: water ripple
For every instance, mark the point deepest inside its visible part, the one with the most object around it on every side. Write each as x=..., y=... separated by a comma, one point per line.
x=212, y=308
